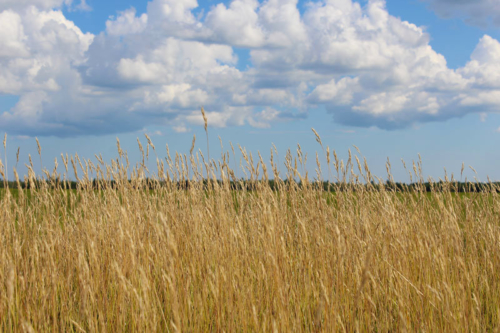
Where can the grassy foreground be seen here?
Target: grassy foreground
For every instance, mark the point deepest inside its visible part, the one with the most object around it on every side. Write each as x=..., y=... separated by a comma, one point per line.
x=206, y=257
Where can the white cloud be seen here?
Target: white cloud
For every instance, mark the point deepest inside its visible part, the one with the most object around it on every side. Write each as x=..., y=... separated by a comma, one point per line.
x=173, y=18
x=29, y=107
x=127, y=23
x=340, y=92
x=264, y=118
x=243, y=20
x=12, y=37
x=366, y=67
x=398, y=102
x=172, y=11
x=40, y=52
x=180, y=129
x=83, y=6
x=174, y=61
x=477, y=12
x=179, y=96
x=484, y=67
x=44, y=4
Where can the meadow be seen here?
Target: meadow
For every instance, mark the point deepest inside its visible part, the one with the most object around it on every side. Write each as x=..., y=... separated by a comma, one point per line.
x=191, y=247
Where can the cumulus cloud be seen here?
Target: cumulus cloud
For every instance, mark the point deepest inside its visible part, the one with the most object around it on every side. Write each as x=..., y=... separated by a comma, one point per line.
x=477, y=12
x=42, y=49
x=44, y=4
x=127, y=23
x=174, y=61
x=366, y=67
x=243, y=20
x=483, y=70
x=12, y=35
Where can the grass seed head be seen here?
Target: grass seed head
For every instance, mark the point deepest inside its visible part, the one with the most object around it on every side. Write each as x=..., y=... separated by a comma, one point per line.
x=39, y=148
x=318, y=138
x=192, y=145
x=204, y=118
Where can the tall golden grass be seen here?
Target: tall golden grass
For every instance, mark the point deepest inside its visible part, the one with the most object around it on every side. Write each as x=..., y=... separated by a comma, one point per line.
x=147, y=253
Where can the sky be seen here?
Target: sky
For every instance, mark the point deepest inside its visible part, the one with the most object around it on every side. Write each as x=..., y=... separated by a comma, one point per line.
x=395, y=78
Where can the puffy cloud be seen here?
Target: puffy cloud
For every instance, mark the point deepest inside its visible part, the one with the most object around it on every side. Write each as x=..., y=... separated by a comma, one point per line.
x=265, y=118
x=40, y=50
x=282, y=22
x=173, y=18
x=477, y=12
x=340, y=92
x=178, y=96
x=44, y=4
x=230, y=116
x=172, y=11
x=180, y=128
x=381, y=71
x=366, y=67
x=252, y=24
x=83, y=6
x=174, y=61
x=127, y=23
x=243, y=20
x=483, y=70
x=12, y=37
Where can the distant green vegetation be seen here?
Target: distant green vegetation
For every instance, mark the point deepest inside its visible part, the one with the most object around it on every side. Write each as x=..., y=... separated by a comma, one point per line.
x=463, y=187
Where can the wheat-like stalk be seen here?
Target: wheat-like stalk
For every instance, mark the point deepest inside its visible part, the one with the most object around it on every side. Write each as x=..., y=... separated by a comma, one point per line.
x=205, y=121
x=17, y=155
x=6, y=175
x=39, y=149
x=318, y=138
x=192, y=145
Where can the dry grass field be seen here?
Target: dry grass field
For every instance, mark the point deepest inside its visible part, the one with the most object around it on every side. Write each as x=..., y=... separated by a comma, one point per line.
x=150, y=253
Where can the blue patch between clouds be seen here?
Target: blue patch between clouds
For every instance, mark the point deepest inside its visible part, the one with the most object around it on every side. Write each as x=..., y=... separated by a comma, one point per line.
x=244, y=61
x=7, y=102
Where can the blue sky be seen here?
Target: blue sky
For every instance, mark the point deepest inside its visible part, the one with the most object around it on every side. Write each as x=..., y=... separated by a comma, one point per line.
x=395, y=78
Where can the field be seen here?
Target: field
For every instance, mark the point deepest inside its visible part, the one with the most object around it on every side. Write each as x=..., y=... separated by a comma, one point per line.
x=130, y=250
